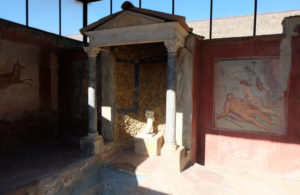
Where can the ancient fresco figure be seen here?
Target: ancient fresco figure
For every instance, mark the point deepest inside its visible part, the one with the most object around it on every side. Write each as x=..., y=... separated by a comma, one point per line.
x=245, y=112
x=253, y=100
x=14, y=77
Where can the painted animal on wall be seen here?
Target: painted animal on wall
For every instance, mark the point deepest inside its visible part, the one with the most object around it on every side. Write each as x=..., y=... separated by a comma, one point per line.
x=19, y=80
x=14, y=77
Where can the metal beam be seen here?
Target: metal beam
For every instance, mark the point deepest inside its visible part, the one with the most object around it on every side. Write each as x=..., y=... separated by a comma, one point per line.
x=173, y=7
x=85, y=16
x=111, y=6
x=27, y=13
x=59, y=17
x=140, y=3
x=210, y=19
x=88, y=1
x=255, y=16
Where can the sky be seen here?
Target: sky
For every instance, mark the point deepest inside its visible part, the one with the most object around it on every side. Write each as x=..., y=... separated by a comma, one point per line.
x=43, y=14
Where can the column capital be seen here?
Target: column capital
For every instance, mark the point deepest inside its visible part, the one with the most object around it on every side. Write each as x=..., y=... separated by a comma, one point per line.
x=92, y=51
x=173, y=45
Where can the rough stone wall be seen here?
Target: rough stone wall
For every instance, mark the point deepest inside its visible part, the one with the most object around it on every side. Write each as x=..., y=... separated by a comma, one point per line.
x=82, y=177
x=269, y=23
x=30, y=98
x=149, y=92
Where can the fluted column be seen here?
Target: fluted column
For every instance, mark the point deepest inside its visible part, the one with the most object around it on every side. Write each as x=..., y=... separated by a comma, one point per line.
x=91, y=144
x=172, y=46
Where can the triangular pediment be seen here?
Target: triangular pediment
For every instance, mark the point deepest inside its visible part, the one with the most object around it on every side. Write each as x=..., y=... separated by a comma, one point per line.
x=129, y=18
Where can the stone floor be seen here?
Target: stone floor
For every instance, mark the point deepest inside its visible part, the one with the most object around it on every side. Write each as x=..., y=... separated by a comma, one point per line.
x=157, y=178
x=28, y=165
x=197, y=179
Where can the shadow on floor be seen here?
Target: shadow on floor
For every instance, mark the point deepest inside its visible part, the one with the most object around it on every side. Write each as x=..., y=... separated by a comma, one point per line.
x=30, y=164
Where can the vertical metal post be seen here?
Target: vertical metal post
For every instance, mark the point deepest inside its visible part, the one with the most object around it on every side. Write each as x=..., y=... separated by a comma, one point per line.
x=111, y=7
x=85, y=20
x=27, y=13
x=255, y=15
x=140, y=3
x=173, y=7
x=59, y=17
x=210, y=19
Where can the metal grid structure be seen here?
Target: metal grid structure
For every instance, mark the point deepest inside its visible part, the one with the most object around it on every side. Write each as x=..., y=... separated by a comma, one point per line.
x=85, y=14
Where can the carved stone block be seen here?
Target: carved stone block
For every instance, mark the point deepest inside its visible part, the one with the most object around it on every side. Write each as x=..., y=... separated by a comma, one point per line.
x=148, y=144
x=91, y=145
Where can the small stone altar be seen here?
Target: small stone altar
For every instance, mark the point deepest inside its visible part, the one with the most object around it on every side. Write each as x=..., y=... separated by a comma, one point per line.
x=147, y=142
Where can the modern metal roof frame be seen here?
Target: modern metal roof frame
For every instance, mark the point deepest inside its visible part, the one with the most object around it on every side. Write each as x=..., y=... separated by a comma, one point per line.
x=85, y=14
x=211, y=18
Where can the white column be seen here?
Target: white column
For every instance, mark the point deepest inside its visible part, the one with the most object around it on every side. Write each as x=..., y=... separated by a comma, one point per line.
x=172, y=46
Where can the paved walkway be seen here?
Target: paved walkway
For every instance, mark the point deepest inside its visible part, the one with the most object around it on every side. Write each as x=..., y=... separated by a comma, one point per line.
x=197, y=179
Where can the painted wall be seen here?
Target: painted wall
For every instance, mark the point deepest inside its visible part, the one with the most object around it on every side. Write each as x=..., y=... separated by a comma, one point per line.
x=29, y=85
x=242, y=150
x=75, y=94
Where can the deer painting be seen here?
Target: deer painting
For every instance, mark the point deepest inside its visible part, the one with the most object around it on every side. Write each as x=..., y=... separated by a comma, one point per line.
x=14, y=77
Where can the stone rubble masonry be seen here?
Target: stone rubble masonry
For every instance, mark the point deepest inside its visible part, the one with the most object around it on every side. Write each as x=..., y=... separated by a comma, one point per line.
x=80, y=177
x=151, y=90
x=238, y=26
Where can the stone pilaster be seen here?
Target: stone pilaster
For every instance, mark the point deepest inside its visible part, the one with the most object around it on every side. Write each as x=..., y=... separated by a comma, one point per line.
x=172, y=46
x=93, y=142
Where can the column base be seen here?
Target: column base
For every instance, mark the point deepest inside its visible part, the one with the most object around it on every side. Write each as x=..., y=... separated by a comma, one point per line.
x=175, y=156
x=148, y=144
x=91, y=145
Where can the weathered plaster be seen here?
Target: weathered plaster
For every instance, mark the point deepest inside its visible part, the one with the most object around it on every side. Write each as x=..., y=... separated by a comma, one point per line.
x=19, y=92
x=26, y=117
x=184, y=102
x=289, y=30
x=108, y=95
x=247, y=150
x=129, y=18
x=150, y=33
